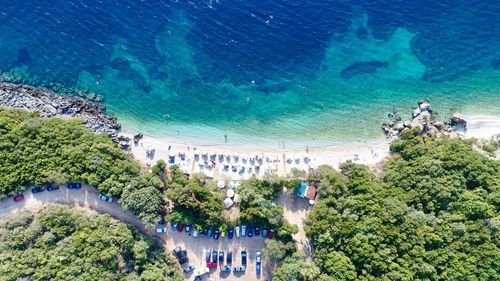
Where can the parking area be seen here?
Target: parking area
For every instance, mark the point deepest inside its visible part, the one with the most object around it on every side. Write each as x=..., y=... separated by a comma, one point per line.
x=197, y=247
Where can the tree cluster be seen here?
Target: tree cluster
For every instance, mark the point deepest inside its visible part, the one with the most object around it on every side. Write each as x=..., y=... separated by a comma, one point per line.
x=60, y=243
x=434, y=215
x=36, y=151
x=195, y=201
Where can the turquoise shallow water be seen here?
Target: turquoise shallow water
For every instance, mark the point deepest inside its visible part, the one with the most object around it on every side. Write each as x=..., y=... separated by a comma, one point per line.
x=313, y=73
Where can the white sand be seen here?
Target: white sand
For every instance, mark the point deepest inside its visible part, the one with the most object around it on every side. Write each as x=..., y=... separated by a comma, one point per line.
x=482, y=126
x=368, y=153
x=279, y=160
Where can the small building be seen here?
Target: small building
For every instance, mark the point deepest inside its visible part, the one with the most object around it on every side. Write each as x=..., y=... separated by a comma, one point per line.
x=306, y=190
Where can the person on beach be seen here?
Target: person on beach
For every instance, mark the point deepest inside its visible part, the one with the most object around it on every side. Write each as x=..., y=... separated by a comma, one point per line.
x=225, y=138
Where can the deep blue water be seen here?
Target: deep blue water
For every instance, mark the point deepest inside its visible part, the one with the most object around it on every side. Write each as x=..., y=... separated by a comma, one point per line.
x=249, y=66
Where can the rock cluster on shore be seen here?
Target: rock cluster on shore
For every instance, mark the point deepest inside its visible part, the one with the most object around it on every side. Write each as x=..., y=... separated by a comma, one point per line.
x=50, y=104
x=424, y=120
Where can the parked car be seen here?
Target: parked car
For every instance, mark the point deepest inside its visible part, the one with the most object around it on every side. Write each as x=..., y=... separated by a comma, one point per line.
x=257, y=231
x=207, y=256
x=161, y=221
x=226, y=268
x=180, y=227
x=207, y=259
x=201, y=271
x=179, y=252
x=195, y=232
x=105, y=198
x=210, y=232
x=221, y=258
x=203, y=231
x=74, y=185
x=239, y=269
x=188, y=229
x=51, y=187
x=264, y=232
x=214, y=258
x=188, y=269
x=222, y=234
x=37, y=189
x=249, y=231
x=244, y=257
x=18, y=198
x=229, y=258
x=161, y=229
x=243, y=230
x=237, y=231
x=216, y=234
x=257, y=262
x=230, y=233
x=174, y=226
x=270, y=234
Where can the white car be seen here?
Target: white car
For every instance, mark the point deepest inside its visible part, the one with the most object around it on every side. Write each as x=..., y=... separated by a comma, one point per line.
x=201, y=271
x=237, y=231
x=195, y=232
x=243, y=230
x=105, y=198
x=161, y=230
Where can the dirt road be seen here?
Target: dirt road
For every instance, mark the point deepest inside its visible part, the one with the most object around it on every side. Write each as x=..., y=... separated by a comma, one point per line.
x=87, y=197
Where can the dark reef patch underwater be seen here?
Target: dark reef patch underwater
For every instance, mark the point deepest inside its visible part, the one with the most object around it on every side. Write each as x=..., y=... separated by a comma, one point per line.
x=260, y=70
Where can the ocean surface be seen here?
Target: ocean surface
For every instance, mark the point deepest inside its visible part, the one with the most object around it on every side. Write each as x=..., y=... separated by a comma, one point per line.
x=308, y=72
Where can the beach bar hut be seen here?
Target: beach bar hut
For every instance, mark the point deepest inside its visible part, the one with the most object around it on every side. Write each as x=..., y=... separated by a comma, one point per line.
x=306, y=190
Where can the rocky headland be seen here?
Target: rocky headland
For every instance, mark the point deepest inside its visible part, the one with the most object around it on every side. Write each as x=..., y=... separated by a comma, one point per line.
x=50, y=104
x=423, y=118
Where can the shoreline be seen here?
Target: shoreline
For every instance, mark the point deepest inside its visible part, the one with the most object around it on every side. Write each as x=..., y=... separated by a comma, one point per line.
x=281, y=161
x=219, y=161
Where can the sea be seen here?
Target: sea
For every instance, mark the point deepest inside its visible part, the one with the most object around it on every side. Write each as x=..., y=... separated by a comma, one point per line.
x=259, y=72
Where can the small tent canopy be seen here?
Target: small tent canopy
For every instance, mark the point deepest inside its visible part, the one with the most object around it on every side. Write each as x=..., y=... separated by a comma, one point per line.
x=228, y=202
x=237, y=198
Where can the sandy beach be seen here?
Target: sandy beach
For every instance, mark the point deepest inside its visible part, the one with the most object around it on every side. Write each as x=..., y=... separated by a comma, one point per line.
x=236, y=162
x=220, y=161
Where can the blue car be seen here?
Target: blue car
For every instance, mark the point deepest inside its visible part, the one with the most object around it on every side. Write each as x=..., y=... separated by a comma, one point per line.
x=249, y=231
x=37, y=189
x=257, y=263
x=51, y=187
x=209, y=232
x=174, y=226
x=216, y=234
x=230, y=233
x=74, y=185
x=264, y=232
x=257, y=231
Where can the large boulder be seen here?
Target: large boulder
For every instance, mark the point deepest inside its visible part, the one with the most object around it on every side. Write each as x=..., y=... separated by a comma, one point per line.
x=425, y=106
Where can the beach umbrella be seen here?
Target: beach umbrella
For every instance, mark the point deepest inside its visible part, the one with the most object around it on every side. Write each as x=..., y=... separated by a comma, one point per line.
x=230, y=193
x=231, y=185
x=221, y=184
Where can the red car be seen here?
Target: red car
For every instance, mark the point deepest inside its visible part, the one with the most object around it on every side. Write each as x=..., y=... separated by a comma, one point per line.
x=18, y=198
x=209, y=264
x=180, y=227
x=270, y=233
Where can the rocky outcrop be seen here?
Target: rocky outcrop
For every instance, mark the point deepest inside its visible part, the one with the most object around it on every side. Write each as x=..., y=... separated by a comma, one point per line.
x=424, y=120
x=50, y=104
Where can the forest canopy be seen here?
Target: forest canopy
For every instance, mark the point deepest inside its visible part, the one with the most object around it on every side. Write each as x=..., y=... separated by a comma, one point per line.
x=434, y=215
x=39, y=151
x=60, y=243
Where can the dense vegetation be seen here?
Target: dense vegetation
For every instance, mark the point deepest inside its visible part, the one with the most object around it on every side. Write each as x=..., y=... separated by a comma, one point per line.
x=59, y=243
x=195, y=201
x=434, y=215
x=36, y=151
